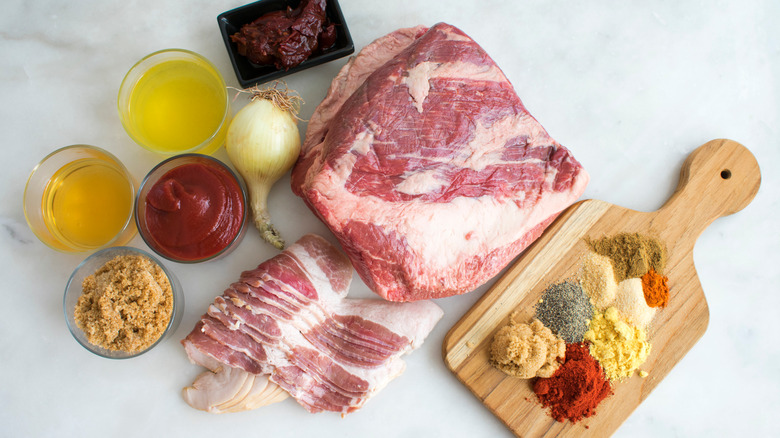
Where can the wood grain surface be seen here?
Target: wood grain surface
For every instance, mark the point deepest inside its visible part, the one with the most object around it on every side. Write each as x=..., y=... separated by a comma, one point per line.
x=719, y=178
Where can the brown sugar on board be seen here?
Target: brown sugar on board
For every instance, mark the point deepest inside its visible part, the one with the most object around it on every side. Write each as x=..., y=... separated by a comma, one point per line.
x=125, y=305
x=526, y=350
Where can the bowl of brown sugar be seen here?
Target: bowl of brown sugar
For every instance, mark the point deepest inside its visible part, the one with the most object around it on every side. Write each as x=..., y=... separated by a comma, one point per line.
x=121, y=302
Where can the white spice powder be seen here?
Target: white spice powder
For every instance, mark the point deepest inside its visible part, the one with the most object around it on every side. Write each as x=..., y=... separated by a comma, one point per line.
x=630, y=303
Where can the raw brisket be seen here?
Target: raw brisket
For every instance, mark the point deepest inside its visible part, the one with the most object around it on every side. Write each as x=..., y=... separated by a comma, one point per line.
x=289, y=318
x=426, y=166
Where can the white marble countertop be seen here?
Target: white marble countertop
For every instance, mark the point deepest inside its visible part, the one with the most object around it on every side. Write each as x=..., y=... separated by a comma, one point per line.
x=631, y=88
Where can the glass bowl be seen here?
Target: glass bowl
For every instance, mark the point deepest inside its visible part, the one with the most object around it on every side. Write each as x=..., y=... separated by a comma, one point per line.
x=73, y=291
x=248, y=73
x=80, y=198
x=178, y=228
x=175, y=101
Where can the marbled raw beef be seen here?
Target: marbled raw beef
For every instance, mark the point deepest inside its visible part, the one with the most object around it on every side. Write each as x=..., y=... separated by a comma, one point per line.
x=426, y=166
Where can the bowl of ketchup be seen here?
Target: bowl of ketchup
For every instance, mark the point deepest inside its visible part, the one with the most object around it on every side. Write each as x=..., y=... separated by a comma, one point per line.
x=191, y=208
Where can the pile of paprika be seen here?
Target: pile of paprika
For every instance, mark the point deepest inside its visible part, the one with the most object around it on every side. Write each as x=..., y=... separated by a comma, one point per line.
x=576, y=387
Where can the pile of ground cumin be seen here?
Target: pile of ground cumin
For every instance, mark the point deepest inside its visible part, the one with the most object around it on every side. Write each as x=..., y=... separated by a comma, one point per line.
x=632, y=254
x=125, y=305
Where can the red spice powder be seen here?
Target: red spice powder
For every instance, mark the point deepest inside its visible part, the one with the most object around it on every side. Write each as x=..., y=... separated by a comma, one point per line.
x=576, y=387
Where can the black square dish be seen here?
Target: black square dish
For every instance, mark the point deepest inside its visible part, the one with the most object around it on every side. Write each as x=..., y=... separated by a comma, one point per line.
x=248, y=73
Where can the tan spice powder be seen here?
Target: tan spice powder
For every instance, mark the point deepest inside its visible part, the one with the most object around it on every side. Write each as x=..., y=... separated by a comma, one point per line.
x=125, y=305
x=632, y=254
x=597, y=279
x=526, y=350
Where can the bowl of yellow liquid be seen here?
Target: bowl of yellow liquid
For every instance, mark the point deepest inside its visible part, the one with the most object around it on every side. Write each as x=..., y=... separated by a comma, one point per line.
x=175, y=101
x=80, y=198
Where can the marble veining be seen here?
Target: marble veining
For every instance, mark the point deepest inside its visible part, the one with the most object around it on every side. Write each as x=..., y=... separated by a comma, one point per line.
x=17, y=231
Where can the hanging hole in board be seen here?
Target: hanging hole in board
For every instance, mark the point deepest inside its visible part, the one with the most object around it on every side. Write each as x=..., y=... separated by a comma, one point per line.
x=725, y=174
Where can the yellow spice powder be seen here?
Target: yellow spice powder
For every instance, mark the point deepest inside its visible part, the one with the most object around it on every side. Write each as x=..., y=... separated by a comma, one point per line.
x=618, y=346
x=125, y=305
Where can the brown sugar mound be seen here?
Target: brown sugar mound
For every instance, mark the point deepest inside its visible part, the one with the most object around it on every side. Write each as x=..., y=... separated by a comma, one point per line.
x=526, y=350
x=125, y=305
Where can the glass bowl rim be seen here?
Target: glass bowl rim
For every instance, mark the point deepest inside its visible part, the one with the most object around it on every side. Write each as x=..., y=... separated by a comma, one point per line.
x=97, y=350
x=173, y=50
x=244, y=197
x=117, y=161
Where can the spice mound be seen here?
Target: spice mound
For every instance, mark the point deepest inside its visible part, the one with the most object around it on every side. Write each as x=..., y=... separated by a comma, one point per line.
x=125, y=305
x=619, y=347
x=597, y=279
x=632, y=254
x=566, y=310
x=526, y=350
x=576, y=388
x=631, y=305
x=655, y=288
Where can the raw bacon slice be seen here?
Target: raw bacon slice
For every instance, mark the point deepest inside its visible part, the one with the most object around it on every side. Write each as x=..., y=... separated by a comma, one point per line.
x=426, y=166
x=290, y=319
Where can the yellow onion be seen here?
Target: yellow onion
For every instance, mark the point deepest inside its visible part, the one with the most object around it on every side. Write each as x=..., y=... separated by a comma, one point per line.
x=263, y=143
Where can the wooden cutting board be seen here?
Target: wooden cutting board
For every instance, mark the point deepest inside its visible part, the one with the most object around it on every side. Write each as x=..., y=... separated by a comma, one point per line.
x=719, y=178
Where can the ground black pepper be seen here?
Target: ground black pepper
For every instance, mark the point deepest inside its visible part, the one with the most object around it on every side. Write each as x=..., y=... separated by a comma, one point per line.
x=565, y=309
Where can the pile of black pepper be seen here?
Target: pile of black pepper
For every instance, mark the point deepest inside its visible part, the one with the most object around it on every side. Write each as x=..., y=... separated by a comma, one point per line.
x=566, y=310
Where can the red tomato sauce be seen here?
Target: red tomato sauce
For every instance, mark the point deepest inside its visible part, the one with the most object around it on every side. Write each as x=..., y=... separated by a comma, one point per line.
x=194, y=211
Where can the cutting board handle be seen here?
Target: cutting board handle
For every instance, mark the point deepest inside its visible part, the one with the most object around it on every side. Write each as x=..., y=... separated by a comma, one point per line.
x=719, y=178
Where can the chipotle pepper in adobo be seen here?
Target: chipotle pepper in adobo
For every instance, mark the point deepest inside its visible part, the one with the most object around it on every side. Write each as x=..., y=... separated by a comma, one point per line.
x=286, y=38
